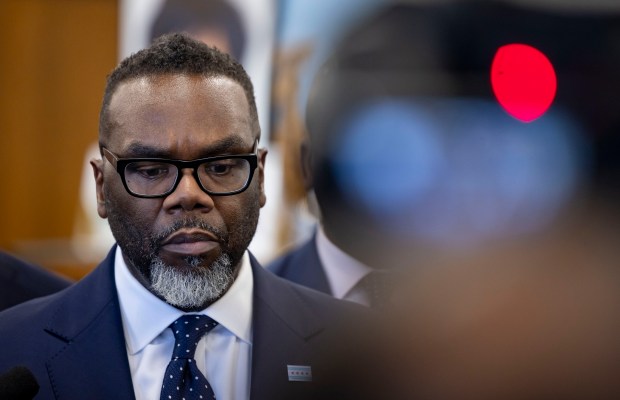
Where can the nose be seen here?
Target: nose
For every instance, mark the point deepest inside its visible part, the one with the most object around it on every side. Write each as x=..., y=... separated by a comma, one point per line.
x=188, y=195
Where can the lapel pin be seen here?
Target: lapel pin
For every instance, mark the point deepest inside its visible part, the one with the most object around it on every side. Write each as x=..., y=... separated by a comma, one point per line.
x=300, y=373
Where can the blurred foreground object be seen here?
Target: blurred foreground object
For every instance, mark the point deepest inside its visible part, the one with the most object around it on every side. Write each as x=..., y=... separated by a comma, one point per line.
x=529, y=319
x=509, y=230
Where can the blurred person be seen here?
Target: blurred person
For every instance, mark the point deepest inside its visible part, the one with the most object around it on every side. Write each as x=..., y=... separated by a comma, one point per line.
x=21, y=281
x=410, y=152
x=178, y=307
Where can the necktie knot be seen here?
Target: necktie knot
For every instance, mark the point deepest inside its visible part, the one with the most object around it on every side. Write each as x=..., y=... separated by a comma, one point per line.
x=188, y=330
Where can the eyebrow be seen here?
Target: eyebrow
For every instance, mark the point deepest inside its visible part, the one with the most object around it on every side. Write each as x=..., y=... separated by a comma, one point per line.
x=219, y=147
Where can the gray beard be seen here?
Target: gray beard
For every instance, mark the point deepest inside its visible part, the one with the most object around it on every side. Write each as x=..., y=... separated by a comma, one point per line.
x=192, y=288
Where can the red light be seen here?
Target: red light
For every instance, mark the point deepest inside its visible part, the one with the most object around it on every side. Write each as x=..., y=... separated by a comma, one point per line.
x=523, y=80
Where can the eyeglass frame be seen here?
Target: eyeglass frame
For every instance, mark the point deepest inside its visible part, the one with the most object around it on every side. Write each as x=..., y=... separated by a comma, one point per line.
x=120, y=164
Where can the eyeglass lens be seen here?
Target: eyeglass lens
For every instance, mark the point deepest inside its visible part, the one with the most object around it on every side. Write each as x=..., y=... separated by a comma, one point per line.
x=155, y=178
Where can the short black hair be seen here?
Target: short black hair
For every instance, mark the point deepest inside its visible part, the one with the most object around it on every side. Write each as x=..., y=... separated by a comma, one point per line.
x=174, y=54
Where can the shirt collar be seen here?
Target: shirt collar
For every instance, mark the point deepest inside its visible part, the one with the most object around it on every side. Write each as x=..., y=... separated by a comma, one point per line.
x=343, y=271
x=145, y=316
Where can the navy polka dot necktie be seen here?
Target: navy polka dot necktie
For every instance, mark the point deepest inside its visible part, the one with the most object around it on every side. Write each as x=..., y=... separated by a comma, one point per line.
x=183, y=380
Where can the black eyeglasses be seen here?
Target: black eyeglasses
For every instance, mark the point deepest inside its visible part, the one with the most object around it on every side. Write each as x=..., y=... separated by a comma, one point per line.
x=158, y=177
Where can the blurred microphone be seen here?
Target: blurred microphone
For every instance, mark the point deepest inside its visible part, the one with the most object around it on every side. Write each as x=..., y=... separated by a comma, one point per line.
x=18, y=383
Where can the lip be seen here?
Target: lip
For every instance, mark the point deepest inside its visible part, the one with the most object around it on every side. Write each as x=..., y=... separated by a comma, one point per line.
x=190, y=242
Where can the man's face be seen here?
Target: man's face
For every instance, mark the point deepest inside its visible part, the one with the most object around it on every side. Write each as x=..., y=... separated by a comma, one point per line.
x=187, y=241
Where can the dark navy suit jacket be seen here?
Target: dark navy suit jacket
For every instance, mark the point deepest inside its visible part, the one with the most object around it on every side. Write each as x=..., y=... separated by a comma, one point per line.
x=302, y=266
x=74, y=344
x=21, y=281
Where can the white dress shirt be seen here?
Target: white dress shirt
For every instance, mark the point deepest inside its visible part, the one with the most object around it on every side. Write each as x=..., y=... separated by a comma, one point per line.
x=343, y=271
x=223, y=355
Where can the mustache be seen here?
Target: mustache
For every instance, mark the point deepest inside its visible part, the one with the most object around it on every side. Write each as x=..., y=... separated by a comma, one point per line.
x=221, y=235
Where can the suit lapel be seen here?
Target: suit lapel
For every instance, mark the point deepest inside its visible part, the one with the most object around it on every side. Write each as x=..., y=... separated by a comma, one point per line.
x=93, y=353
x=283, y=325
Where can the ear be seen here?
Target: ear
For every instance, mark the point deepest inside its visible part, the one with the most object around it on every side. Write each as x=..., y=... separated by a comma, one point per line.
x=262, y=158
x=97, y=165
x=306, y=165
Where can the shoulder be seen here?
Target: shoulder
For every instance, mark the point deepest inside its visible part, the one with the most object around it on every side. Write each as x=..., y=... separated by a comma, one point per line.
x=21, y=281
x=28, y=312
x=294, y=301
x=30, y=320
x=295, y=326
x=33, y=315
x=322, y=300
x=35, y=332
x=23, y=332
x=295, y=256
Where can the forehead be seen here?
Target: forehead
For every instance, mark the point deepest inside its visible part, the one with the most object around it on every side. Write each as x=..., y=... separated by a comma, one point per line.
x=180, y=114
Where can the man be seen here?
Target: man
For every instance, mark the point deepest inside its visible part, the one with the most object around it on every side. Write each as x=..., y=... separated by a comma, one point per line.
x=218, y=24
x=21, y=281
x=181, y=184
